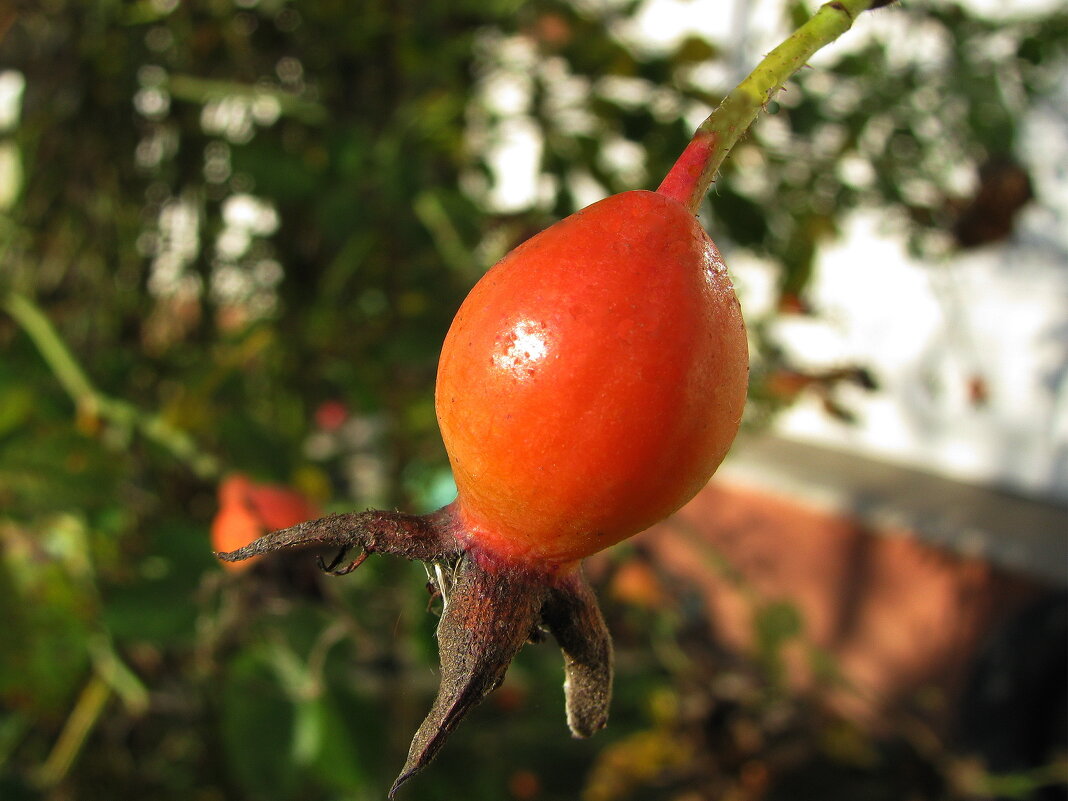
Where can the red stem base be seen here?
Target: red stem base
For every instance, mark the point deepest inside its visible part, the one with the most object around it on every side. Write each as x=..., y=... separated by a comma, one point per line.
x=685, y=180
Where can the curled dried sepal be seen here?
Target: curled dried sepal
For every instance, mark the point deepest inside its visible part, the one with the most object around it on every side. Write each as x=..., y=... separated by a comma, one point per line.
x=491, y=610
x=572, y=615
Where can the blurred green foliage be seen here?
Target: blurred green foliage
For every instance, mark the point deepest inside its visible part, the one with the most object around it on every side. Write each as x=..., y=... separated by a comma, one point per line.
x=234, y=214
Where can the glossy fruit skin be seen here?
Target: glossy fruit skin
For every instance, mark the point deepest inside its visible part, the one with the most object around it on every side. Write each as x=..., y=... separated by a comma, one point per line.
x=592, y=381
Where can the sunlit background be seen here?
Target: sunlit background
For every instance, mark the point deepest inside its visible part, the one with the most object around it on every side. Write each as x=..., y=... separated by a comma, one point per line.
x=232, y=236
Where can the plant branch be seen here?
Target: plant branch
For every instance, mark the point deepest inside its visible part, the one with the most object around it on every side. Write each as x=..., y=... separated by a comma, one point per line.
x=689, y=180
x=117, y=674
x=83, y=718
x=93, y=403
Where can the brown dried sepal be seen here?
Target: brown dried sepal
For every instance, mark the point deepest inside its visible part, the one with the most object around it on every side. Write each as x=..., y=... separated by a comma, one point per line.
x=490, y=611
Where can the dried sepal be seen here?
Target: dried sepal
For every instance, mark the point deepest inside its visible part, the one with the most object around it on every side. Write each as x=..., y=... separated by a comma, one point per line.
x=575, y=620
x=427, y=538
x=488, y=617
x=490, y=610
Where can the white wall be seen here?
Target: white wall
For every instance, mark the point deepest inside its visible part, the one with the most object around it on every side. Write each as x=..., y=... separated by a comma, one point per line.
x=998, y=314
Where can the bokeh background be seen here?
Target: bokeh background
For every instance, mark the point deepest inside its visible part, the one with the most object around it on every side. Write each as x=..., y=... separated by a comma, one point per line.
x=232, y=236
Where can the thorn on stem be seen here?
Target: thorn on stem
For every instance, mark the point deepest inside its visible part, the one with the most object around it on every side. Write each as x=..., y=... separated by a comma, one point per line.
x=327, y=568
x=333, y=569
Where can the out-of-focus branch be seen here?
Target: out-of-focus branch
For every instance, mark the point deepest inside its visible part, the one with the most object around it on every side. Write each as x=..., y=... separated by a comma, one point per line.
x=91, y=402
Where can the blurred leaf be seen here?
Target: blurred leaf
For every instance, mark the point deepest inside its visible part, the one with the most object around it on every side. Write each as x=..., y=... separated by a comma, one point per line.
x=776, y=624
x=323, y=744
x=257, y=729
x=16, y=405
x=156, y=603
x=49, y=614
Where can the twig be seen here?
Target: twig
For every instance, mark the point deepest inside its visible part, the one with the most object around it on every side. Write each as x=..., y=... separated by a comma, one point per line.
x=91, y=402
x=87, y=710
x=689, y=180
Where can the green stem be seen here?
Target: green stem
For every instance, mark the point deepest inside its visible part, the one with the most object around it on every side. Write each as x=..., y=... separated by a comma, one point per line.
x=110, y=676
x=83, y=718
x=93, y=403
x=44, y=336
x=689, y=180
x=109, y=666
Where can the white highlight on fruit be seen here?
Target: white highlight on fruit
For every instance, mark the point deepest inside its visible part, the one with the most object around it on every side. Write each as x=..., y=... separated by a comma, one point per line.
x=526, y=345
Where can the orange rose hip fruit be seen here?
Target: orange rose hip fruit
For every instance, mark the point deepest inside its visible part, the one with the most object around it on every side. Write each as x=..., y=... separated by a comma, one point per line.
x=592, y=381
